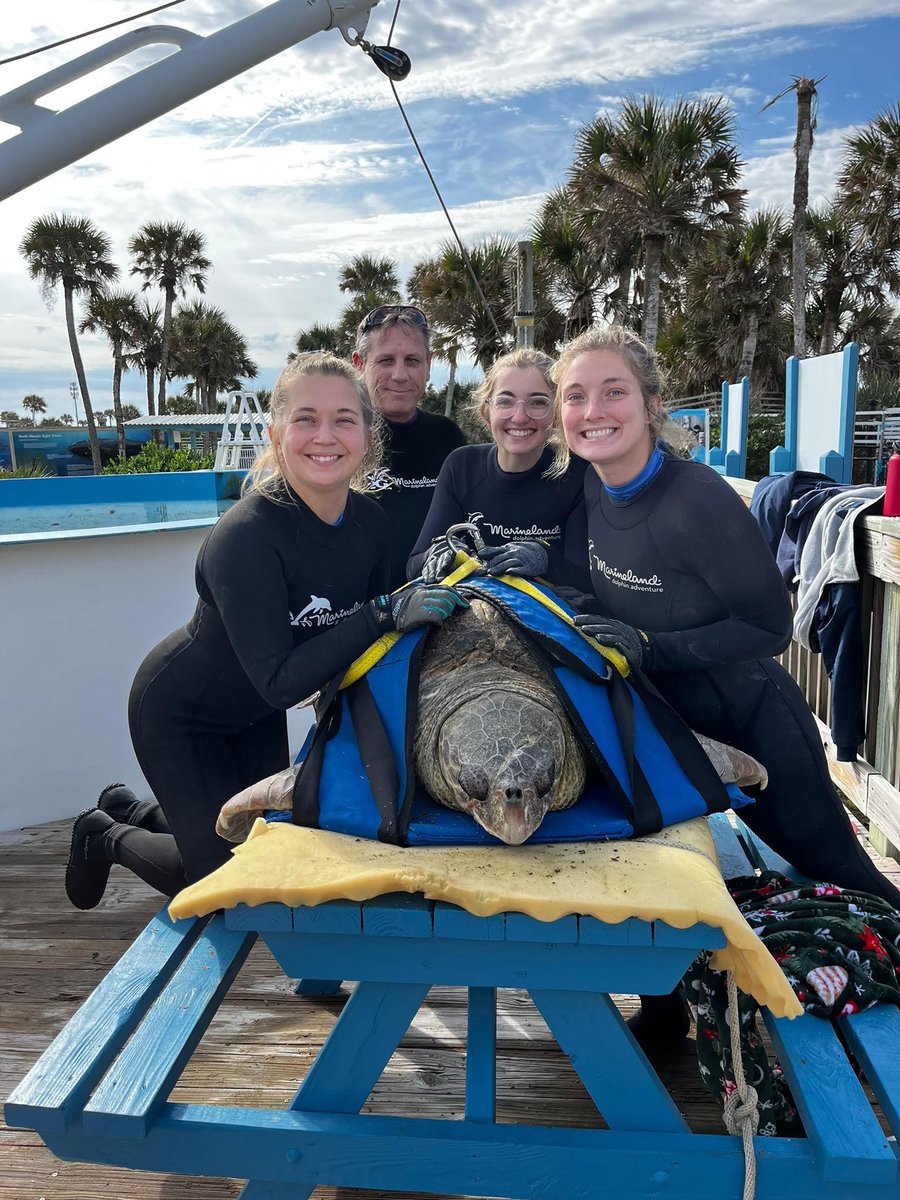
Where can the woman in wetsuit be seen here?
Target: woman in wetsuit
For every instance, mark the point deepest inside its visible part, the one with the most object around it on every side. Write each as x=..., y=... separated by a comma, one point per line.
x=502, y=486
x=290, y=584
x=686, y=588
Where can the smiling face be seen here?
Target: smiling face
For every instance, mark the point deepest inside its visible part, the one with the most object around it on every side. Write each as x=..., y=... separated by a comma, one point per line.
x=396, y=371
x=605, y=417
x=321, y=439
x=520, y=435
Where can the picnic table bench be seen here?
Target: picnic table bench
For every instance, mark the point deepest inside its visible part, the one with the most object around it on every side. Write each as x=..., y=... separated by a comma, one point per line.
x=100, y=1093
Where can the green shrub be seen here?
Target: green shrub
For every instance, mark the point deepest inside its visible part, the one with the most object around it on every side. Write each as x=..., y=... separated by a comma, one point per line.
x=155, y=458
x=36, y=469
x=764, y=433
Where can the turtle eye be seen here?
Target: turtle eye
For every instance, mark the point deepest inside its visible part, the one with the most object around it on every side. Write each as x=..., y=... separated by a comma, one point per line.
x=474, y=782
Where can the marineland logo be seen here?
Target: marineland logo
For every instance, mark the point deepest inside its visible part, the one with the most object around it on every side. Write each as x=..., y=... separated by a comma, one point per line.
x=515, y=533
x=624, y=579
x=319, y=613
x=380, y=481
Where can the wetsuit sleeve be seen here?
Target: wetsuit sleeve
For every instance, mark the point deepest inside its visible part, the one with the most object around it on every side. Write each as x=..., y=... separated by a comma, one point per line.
x=568, y=561
x=445, y=511
x=725, y=548
x=249, y=590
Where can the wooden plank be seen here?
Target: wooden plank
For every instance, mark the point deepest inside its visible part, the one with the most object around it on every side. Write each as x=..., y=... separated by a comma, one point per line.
x=845, y=1134
x=851, y=777
x=699, y=936
x=365, y=1036
x=767, y=858
x=60, y=1082
x=451, y=921
x=258, y=917
x=608, y=1060
x=521, y=928
x=398, y=915
x=881, y=547
x=887, y=744
x=874, y=1038
x=337, y=916
x=630, y=932
x=481, y=1055
x=139, y=1081
x=884, y=809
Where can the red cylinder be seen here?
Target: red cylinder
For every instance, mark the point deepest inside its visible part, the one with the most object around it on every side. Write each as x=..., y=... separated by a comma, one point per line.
x=892, y=488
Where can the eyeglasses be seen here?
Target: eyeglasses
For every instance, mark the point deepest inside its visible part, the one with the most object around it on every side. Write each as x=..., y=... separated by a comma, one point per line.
x=377, y=317
x=537, y=407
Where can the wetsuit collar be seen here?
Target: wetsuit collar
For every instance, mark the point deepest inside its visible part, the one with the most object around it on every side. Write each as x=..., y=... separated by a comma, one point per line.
x=626, y=492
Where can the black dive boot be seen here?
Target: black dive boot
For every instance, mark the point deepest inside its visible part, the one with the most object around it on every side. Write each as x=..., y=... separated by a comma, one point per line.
x=122, y=805
x=87, y=870
x=662, y=1023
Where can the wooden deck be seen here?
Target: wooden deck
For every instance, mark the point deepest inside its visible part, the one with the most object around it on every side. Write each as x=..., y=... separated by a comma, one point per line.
x=54, y=956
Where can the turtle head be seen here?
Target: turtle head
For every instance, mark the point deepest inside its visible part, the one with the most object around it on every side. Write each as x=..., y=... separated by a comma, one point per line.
x=501, y=755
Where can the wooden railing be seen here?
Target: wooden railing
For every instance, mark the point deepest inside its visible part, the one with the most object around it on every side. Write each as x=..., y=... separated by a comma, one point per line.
x=872, y=783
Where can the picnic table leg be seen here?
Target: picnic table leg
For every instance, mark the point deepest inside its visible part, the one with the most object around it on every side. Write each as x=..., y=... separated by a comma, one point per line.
x=318, y=987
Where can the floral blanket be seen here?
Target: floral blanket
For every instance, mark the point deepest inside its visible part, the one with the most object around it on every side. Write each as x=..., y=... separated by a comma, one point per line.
x=840, y=952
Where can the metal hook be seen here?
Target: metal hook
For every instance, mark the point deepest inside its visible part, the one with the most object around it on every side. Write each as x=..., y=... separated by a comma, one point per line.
x=468, y=528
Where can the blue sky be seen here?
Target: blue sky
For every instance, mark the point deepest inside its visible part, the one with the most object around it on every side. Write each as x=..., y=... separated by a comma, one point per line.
x=304, y=161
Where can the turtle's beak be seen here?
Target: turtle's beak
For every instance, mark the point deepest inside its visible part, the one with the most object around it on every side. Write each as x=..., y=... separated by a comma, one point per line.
x=510, y=812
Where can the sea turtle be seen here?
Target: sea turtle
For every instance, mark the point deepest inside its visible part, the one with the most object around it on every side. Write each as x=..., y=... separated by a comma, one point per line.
x=491, y=738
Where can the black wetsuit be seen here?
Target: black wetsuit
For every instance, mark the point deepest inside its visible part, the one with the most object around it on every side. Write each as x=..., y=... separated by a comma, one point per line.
x=415, y=453
x=507, y=506
x=281, y=610
x=686, y=562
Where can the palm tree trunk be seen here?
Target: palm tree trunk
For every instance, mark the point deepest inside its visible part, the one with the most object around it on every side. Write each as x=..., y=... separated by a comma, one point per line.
x=117, y=401
x=164, y=352
x=151, y=397
x=806, y=89
x=622, y=290
x=451, y=387
x=653, y=248
x=831, y=315
x=96, y=460
x=748, y=352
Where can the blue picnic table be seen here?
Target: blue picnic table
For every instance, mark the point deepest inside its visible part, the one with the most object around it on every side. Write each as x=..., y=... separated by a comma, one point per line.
x=100, y=1093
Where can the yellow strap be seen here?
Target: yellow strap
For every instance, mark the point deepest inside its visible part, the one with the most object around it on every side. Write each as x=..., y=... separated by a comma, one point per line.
x=463, y=566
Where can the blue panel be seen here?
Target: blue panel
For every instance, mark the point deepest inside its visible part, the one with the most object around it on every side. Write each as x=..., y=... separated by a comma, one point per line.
x=337, y=916
x=699, y=936
x=731, y=851
x=783, y=459
x=481, y=1055
x=258, y=917
x=609, y=1062
x=630, y=932
x=451, y=921
x=835, y=466
x=397, y=915
x=848, y=410
x=139, y=1081
x=838, y=1119
x=65, y=1074
x=521, y=928
x=318, y=987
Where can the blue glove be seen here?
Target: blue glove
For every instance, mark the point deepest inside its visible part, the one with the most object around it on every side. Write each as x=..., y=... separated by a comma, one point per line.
x=421, y=604
x=631, y=643
x=515, y=558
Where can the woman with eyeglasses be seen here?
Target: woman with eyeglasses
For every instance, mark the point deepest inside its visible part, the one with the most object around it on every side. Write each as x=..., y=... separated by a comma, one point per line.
x=292, y=586
x=502, y=487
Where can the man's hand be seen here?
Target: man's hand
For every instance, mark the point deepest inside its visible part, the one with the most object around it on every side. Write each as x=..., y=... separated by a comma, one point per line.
x=515, y=558
x=631, y=643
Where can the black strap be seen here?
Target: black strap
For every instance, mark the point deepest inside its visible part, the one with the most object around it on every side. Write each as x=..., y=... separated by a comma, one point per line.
x=680, y=739
x=646, y=814
x=377, y=756
x=305, y=802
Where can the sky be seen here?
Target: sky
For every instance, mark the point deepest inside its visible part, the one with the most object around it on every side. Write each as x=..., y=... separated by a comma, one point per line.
x=303, y=161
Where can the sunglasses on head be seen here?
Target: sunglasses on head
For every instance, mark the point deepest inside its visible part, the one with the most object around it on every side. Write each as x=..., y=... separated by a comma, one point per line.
x=378, y=316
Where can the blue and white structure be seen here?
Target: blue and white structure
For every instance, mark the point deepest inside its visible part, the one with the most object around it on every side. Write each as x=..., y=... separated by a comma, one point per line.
x=820, y=405
x=730, y=456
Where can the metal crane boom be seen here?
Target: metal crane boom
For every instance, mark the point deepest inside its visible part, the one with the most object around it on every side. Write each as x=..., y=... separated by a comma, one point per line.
x=50, y=140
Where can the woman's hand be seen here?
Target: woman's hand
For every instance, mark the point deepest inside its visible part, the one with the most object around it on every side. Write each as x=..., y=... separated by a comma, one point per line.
x=420, y=604
x=631, y=643
x=515, y=558
x=438, y=560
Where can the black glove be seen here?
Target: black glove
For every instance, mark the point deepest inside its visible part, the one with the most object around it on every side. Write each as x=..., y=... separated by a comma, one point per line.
x=515, y=558
x=631, y=643
x=421, y=604
x=438, y=561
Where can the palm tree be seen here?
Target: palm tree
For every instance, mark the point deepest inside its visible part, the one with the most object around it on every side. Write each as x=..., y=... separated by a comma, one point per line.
x=741, y=278
x=116, y=315
x=667, y=175
x=572, y=267
x=444, y=288
x=74, y=252
x=320, y=337
x=365, y=274
x=171, y=257
x=35, y=405
x=146, y=353
x=207, y=348
x=869, y=184
x=65, y=419
x=807, y=107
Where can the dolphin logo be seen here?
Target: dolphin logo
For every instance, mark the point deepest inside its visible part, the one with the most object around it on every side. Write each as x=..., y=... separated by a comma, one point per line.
x=317, y=604
x=380, y=480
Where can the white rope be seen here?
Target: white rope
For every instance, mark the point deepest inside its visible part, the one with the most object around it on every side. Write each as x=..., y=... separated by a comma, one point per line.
x=741, y=1109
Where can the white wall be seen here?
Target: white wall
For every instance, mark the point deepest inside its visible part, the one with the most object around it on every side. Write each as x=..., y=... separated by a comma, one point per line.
x=77, y=616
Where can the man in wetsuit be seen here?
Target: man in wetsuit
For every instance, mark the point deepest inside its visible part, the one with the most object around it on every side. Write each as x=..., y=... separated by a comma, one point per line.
x=393, y=352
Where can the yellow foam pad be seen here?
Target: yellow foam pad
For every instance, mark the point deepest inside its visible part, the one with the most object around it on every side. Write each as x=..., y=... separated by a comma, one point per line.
x=673, y=877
